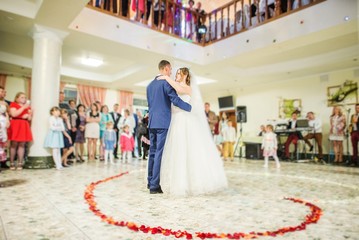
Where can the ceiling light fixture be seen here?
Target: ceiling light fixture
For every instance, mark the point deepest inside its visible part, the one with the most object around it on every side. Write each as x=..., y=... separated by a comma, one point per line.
x=92, y=62
x=346, y=18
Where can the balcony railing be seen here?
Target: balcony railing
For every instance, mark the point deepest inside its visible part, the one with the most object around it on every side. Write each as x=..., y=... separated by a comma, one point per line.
x=193, y=24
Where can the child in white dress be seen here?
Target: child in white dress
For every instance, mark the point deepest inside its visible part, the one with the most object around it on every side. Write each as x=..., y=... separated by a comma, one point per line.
x=269, y=146
x=54, y=138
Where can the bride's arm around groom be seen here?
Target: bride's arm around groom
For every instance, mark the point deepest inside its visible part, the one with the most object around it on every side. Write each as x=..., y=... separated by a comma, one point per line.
x=160, y=95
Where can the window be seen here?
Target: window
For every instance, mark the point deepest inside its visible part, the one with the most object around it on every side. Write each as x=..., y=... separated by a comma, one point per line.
x=70, y=94
x=138, y=102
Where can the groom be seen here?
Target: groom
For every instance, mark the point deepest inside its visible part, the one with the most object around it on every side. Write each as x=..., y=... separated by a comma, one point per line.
x=160, y=95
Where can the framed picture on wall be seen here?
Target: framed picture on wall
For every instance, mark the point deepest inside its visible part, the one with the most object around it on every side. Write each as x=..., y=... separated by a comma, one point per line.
x=345, y=94
x=288, y=106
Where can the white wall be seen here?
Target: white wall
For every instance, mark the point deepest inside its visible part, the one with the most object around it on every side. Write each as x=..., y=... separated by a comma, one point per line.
x=262, y=101
x=13, y=86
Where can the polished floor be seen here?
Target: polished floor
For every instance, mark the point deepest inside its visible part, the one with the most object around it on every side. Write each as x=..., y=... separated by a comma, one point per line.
x=50, y=204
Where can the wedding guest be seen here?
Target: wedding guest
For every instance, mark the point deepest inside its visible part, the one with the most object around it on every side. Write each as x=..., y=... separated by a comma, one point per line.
x=229, y=138
x=127, y=144
x=148, y=10
x=270, y=146
x=62, y=103
x=262, y=131
x=105, y=117
x=336, y=134
x=80, y=132
x=270, y=8
x=140, y=130
x=4, y=125
x=68, y=144
x=127, y=119
x=138, y=6
x=296, y=3
x=211, y=116
x=355, y=135
x=54, y=138
x=124, y=8
x=92, y=130
x=293, y=137
x=73, y=119
x=109, y=142
x=7, y=101
x=169, y=18
x=107, y=5
x=157, y=10
x=145, y=138
x=223, y=125
x=99, y=106
x=200, y=20
x=217, y=136
x=316, y=133
x=19, y=131
x=134, y=130
x=177, y=29
x=115, y=117
x=190, y=25
x=2, y=98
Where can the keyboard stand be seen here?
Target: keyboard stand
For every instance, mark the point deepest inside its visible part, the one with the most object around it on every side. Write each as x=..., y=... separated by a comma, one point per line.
x=301, y=142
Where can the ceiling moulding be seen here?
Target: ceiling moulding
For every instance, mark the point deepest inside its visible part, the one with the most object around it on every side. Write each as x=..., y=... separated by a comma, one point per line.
x=15, y=59
x=24, y=8
x=39, y=31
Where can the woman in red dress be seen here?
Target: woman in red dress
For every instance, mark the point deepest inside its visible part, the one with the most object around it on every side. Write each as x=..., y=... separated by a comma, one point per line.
x=19, y=131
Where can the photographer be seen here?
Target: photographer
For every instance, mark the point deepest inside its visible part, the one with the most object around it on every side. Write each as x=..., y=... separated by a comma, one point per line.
x=201, y=29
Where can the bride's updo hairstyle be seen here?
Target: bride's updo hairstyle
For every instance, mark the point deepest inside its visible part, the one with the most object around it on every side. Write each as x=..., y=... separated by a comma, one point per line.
x=185, y=71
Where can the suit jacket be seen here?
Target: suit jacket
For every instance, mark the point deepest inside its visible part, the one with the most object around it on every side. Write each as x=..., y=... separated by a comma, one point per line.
x=115, y=121
x=160, y=95
x=298, y=133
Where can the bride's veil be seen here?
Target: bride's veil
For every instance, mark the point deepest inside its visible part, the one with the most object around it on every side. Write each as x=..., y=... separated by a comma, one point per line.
x=198, y=105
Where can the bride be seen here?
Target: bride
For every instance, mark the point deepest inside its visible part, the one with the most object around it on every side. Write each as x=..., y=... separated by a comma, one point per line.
x=191, y=164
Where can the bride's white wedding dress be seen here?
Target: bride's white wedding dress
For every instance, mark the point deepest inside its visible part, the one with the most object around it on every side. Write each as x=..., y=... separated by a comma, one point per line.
x=191, y=164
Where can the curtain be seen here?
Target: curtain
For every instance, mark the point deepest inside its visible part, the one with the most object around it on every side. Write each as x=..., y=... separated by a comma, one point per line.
x=90, y=94
x=3, y=80
x=125, y=99
x=28, y=87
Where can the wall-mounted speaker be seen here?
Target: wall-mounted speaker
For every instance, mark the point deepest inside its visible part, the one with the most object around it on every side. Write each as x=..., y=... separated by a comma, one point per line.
x=241, y=114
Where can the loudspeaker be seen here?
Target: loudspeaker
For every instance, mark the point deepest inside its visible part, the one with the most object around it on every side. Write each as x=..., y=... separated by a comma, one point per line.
x=253, y=151
x=241, y=114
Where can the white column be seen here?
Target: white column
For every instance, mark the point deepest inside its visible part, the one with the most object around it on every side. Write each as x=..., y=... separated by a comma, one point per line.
x=45, y=85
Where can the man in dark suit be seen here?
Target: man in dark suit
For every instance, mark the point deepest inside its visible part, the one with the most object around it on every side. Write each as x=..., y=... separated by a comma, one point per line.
x=116, y=117
x=293, y=137
x=160, y=95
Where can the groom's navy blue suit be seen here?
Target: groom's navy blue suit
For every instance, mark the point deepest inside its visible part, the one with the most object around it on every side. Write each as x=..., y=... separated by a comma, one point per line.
x=159, y=97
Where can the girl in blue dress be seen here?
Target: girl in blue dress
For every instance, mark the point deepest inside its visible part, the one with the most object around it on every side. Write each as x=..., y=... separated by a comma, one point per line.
x=54, y=138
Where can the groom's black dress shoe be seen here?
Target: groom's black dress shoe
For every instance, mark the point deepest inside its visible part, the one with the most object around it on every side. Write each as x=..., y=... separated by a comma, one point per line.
x=155, y=191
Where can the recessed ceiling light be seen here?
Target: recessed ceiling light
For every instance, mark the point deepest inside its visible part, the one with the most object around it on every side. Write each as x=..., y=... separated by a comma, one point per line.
x=346, y=18
x=92, y=62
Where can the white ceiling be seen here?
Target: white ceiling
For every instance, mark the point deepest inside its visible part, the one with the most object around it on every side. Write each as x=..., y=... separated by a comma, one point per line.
x=309, y=42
